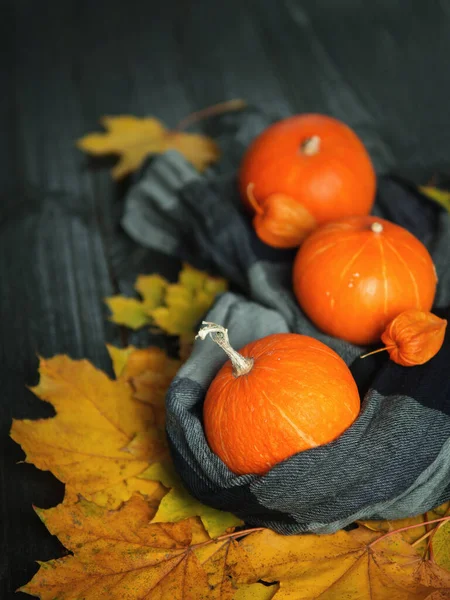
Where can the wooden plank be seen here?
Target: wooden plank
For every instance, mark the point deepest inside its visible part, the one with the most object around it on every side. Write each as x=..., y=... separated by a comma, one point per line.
x=53, y=272
x=61, y=245
x=374, y=66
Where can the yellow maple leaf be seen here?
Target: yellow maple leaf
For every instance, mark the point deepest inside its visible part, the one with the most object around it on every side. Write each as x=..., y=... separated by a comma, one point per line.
x=175, y=308
x=187, y=301
x=152, y=288
x=101, y=439
x=119, y=358
x=178, y=504
x=128, y=311
x=219, y=560
x=149, y=372
x=255, y=591
x=122, y=556
x=133, y=139
x=441, y=546
x=418, y=536
x=442, y=197
x=356, y=564
x=119, y=555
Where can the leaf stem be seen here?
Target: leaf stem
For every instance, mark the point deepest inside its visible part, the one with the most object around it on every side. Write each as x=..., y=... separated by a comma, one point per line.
x=423, y=537
x=233, y=534
x=211, y=111
x=389, y=533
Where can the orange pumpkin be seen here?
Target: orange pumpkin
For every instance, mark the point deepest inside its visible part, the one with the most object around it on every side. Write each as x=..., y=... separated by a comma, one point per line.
x=353, y=277
x=304, y=171
x=279, y=395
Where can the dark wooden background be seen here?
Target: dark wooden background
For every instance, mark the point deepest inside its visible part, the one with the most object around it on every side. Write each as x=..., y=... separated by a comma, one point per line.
x=381, y=66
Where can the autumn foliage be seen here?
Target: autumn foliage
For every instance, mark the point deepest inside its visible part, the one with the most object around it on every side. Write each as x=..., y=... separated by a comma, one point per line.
x=133, y=139
x=132, y=531
x=135, y=532
x=172, y=308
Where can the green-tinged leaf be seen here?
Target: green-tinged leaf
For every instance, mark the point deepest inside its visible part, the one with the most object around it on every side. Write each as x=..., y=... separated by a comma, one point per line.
x=119, y=358
x=175, y=308
x=441, y=546
x=128, y=311
x=178, y=504
x=255, y=591
x=152, y=288
x=440, y=196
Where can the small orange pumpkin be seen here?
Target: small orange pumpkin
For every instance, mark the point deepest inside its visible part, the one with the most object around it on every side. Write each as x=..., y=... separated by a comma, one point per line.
x=279, y=395
x=304, y=171
x=353, y=277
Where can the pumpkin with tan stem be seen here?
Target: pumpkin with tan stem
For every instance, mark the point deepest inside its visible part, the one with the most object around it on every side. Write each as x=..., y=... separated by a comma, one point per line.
x=304, y=171
x=354, y=276
x=277, y=396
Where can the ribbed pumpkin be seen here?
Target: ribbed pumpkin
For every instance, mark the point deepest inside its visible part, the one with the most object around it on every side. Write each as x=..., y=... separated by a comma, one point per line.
x=277, y=396
x=304, y=171
x=353, y=277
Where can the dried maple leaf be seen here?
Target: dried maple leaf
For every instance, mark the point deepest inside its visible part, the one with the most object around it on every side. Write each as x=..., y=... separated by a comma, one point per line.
x=255, y=591
x=440, y=595
x=418, y=536
x=175, y=308
x=133, y=139
x=220, y=560
x=120, y=555
x=101, y=438
x=441, y=545
x=413, y=337
x=357, y=564
x=178, y=504
x=149, y=372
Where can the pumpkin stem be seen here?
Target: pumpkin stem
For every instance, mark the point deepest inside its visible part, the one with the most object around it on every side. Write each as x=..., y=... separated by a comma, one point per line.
x=311, y=146
x=253, y=201
x=376, y=351
x=376, y=227
x=219, y=335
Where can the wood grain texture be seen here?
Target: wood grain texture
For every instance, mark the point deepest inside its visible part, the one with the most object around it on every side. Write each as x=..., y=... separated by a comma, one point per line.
x=65, y=63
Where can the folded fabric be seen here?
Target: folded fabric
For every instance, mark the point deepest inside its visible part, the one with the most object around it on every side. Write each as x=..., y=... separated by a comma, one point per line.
x=394, y=461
